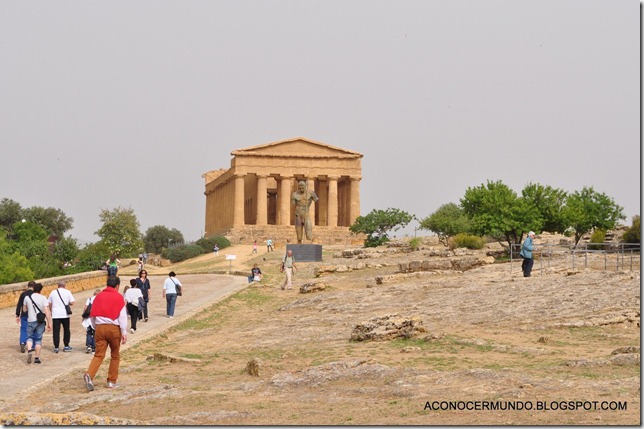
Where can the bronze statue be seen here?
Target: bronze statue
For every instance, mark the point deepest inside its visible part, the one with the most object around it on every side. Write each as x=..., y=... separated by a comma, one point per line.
x=302, y=198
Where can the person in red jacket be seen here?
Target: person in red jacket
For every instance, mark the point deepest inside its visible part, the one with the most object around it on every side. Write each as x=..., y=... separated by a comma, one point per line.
x=109, y=318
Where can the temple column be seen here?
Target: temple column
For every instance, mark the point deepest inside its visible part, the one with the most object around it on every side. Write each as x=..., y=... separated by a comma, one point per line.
x=262, y=201
x=238, y=200
x=310, y=185
x=354, y=199
x=284, y=200
x=323, y=195
x=332, y=202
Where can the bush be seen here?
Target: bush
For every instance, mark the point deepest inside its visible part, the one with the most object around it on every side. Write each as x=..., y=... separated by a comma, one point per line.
x=182, y=252
x=598, y=236
x=467, y=240
x=632, y=234
x=208, y=243
x=415, y=243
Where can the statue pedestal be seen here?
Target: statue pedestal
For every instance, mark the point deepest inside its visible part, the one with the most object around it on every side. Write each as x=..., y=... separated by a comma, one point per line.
x=306, y=252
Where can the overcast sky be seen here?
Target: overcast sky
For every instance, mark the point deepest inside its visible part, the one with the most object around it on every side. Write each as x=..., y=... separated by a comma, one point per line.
x=121, y=103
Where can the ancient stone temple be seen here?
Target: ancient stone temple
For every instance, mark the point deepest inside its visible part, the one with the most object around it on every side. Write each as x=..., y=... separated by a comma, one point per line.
x=252, y=199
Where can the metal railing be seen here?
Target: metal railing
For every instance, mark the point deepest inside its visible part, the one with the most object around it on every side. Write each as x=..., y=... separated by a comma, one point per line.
x=601, y=256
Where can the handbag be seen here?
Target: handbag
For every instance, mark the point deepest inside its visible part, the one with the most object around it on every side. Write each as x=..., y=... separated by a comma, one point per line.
x=177, y=287
x=68, y=307
x=40, y=316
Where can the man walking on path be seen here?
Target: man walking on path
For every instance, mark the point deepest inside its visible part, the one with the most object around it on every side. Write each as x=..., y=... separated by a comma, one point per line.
x=58, y=299
x=34, y=304
x=21, y=316
x=109, y=319
x=288, y=265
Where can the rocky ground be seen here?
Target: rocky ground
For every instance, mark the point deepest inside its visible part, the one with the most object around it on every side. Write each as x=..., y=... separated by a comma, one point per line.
x=365, y=343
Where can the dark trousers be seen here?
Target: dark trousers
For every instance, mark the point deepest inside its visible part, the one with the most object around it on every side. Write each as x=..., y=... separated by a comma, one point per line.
x=89, y=338
x=145, y=309
x=526, y=266
x=67, y=333
x=133, y=311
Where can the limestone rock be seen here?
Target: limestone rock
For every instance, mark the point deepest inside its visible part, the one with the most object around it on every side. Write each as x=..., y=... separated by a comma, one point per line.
x=387, y=327
x=624, y=350
x=312, y=287
x=255, y=367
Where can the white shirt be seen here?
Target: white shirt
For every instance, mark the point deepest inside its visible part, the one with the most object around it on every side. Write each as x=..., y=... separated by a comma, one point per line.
x=40, y=300
x=169, y=285
x=58, y=306
x=132, y=295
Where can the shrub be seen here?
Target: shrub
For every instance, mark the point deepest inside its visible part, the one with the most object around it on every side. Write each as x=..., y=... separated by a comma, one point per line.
x=415, y=243
x=598, y=236
x=467, y=240
x=208, y=243
x=182, y=252
x=632, y=234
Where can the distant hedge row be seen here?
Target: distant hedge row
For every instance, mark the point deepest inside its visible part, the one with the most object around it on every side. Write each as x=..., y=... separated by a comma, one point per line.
x=201, y=246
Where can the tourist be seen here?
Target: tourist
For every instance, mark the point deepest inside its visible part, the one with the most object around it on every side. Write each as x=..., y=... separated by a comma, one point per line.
x=526, y=254
x=21, y=315
x=269, y=245
x=113, y=265
x=255, y=274
x=140, y=264
x=34, y=304
x=255, y=246
x=90, y=343
x=170, y=293
x=144, y=285
x=134, y=307
x=288, y=265
x=58, y=299
x=109, y=320
x=216, y=249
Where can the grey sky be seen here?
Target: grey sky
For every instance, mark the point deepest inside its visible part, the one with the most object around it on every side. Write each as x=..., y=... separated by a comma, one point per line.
x=119, y=103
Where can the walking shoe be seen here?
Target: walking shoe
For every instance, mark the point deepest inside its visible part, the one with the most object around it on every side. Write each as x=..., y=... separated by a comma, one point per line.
x=37, y=360
x=29, y=356
x=88, y=382
x=132, y=330
x=23, y=347
x=56, y=350
x=111, y=385
x=88, y=350
x=67, y=349
x=146, y=319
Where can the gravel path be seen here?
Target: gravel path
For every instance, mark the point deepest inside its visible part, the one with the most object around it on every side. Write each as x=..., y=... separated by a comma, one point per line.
x=16, y=376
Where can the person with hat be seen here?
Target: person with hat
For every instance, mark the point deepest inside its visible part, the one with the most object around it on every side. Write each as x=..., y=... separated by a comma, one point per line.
x=526, y=253
x=58, y=300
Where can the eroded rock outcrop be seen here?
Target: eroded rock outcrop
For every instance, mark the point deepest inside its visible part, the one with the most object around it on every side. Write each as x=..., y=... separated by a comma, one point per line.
x=383, y=328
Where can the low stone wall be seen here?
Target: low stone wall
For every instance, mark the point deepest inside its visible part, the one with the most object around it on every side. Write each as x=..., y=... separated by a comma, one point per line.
x=9, y=294
x=283, y=235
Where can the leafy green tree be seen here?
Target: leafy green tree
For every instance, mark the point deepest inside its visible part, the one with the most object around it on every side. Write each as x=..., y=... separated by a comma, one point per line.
x=92, y=257
x=378, y=223
x=54, y=220
x=10, y=213
x=632, y=234
x=447, y=221
x=495, y=210
x=208, y=243
x=14, y=266
x=588, y=209
x=159, y=237
x=548, y=202
x=120, y=231
x=66, y=249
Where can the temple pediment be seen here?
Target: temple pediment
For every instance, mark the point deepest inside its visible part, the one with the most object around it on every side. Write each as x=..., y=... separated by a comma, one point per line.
x=297, y=147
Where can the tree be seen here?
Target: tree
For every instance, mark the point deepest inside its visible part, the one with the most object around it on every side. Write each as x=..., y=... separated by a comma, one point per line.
x=496, y=210
x=10, y=213
x=159, y=237
x=54, y=220
x=548, y=202
x=588, y=209
x=447, y=221
x=378, y=223
x=14, y=266
x=66, y=249
x=120, y=231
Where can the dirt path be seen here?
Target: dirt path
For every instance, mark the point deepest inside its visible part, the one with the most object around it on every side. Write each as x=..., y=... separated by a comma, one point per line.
x=199, y=291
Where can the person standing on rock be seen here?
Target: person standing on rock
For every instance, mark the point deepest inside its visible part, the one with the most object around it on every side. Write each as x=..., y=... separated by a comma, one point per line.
x=21, y=315
x=144, y=284
x=58, y=299
x=170, y=293
x=34, y=304
x=109, y=320
x=526, y=254
x=288, y=265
